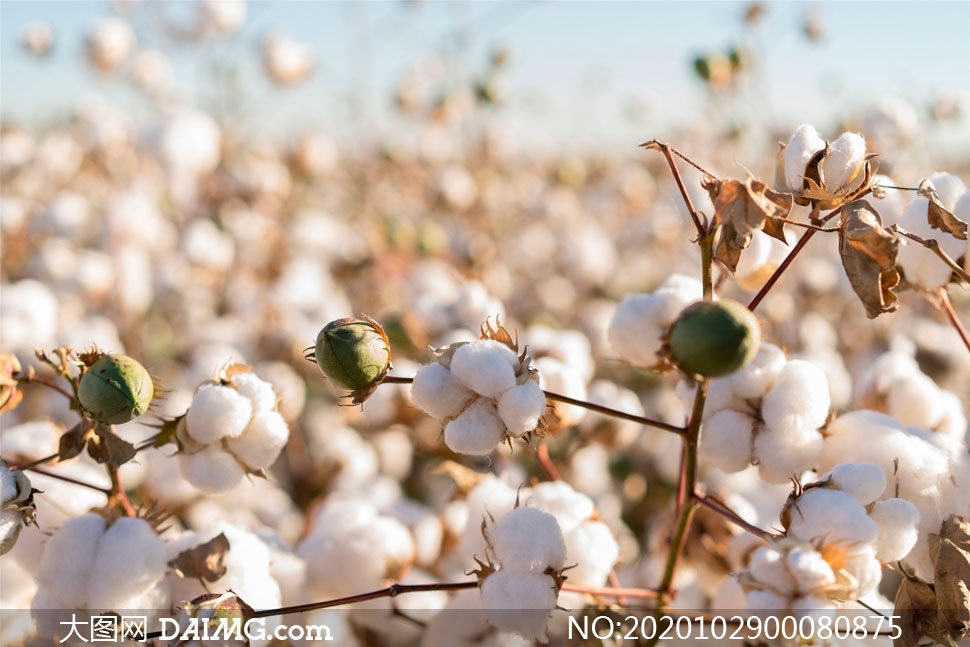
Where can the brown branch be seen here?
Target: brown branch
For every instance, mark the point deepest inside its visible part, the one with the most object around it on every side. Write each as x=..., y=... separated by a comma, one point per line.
x=934, y=246
x=66, y=479
x=952, y=316
x=27, y=378
x=665, y=149
x=733, y=517
x=117, y=493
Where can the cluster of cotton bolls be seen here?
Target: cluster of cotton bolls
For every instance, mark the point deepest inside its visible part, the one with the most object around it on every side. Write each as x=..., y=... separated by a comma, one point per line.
x=766, y=414
x=232, y=427
x=100, y=565
x=894, y=384
x=483, y=391
x=641, y=321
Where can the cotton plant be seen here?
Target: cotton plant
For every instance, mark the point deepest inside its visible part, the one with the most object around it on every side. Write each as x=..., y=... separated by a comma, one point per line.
x=921, y=266
x=484, y=391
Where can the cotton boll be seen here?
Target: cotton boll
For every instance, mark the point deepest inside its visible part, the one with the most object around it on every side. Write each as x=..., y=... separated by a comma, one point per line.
x=758, y=375
x=129, y=566
x=485, y=366
x=489, y=498
x=286, y=60
x=29, y=316
x=799, y=399
x=109, y=43
x=217, y=412
x=831, y=515
x=260, y=444
x=69, y=558
x=809, y=569
x=528, y=540
x=805, y=142
x=153, y=73
x=953, y=421
x=559, y=499
x=782, y=456
x=915, y=400
x=921, y=265
x=221, y=17
x=726, y=440
x=844, y=162
x=765, y=601
x=211, y=470
x=477, y=431
x=864, y=566
x=768, y=565
x=949, y=188
x=891, y=207
x=259, y=392
x=640, y=321
x=436, y=392
x=519, y=602
x=865, y=481
x=897, y=520
x=521, y=407
x=562, y=379
x=593, y=548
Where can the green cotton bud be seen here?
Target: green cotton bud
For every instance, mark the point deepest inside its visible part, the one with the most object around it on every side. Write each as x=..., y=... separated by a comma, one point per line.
x=115, y=389
x=353, y=353
x=714, y=338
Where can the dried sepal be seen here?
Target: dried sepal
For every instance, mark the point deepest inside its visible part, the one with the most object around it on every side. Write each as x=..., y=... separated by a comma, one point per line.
x=204, y=562
x=868, y=251
x=10, y=394
x=937, y=215
x=741, y=208
x=72, y=441
x=105, y=446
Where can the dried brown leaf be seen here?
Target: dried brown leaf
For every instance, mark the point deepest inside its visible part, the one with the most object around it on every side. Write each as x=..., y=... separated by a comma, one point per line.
x=917, y=611
x=465, y=478
x=868, y=252
x=950, y=551
x=107, y=447
x=937, y=215
x=10, y=395
x=72, y=441
x=741, y=208
x=206, y=561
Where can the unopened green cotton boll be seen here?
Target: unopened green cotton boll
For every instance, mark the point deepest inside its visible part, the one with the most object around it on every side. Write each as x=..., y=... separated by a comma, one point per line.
x=714, y=338
x=353, y=353
x=116, y=389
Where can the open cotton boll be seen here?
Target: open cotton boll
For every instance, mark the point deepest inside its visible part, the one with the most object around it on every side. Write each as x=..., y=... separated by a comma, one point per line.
x=519, y=602
x=260, y=393
x=831, y=515
x=562, y=379
x=476, y=431
x=759, y=375
x=865, y=481
x=528, y=540
x=129, y=566
x=844, y=162
x=640, y=320
x=897, y=520
x=953, y=422
x=921, y=265
x=592, y=547
x=768, y=566
x=490, y=497
x=486, y=366
x=805, y=142
x=915, y=400
x=809, y=569
x=69, y=558
x=217, y=412
x=559, y=499
x=211, y=470
x=521, y=406
x=436, y=392
x=890, y=207
x=726, y=440
x=782, y=456
x=260, y=444
x=864, y=566
x=949, y=188
x=798, y=400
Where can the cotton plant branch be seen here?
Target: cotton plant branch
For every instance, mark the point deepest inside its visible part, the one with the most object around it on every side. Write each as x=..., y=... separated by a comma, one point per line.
x=34, y=467
x=733, y=517
x=667, y=152
x=947, y=307
x=934, y=246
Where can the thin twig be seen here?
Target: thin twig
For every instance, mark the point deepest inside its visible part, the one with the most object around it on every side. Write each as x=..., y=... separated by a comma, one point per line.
x=542, y=453
x=934, y=246
x=733, y=517
x=665, y=149
x=952, y=316
x=763, y=292
x=117, y=492
x=611, y=591
x=27, y=378
x=606, y=411
x=66, y=479
x=39, y=461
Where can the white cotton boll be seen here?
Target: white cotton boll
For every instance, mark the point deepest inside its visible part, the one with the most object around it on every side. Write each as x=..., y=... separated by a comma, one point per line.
x=108, y=43
x=831, y=515
x=863, y=565
x=152, y=72
x=217, y=412
x=798, y=400
x=528, y=540
x=477, y=431
x=915, y=400
x=768, y=566
x=558, y=498
x=285, y=59
x=436, y=392
x=485, y=366
x=130, y=563
x=593, y=548
x=686, y=287
x=897, y=520
x=221, y=17
x=521, y=407
x=640, y=320
x=949, y=188
x=805, y=142
x=921, y=265
x=758, y=375
x=844, y=162
x=560, y=378
x=782, y=456
x=519, y=602
x=954, y=420
x=865, y=481
x=69, y=558
x=29, y=316
x=205, y=245
x=489, y=498
x=259, y=392
x=211, y=470
x=765, y=601
x=729, y=595
x=726, y=440
x=809, y=569
x=473, y=305
x=260, y=444
x=891, y=207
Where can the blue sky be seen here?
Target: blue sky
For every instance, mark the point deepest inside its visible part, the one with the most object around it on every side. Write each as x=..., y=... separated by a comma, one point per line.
x=575, y=65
